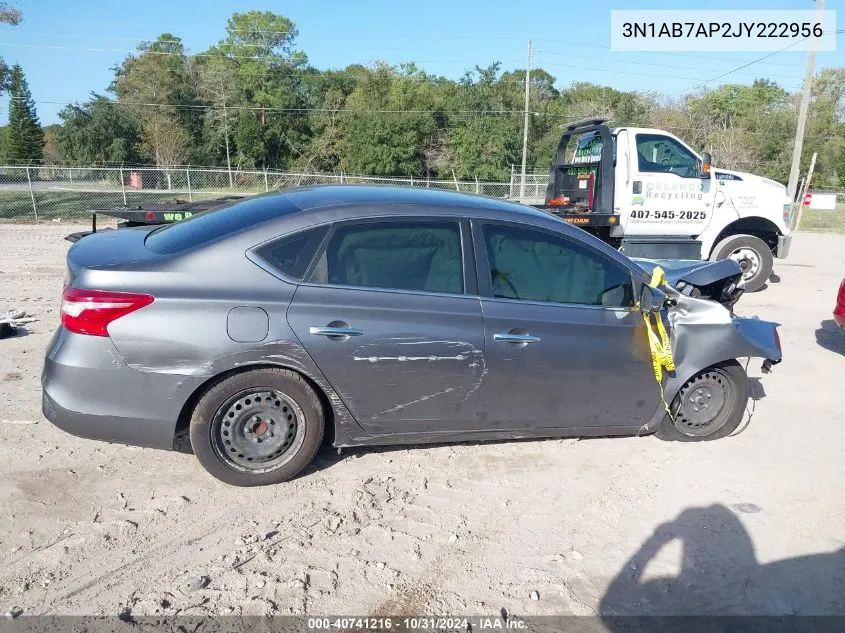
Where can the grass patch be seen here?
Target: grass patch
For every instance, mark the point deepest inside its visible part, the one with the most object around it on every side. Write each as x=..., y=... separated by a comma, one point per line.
x=815, y=221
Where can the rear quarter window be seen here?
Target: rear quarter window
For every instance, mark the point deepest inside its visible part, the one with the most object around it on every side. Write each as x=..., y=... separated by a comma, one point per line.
x=216, y=223
x=291, y=254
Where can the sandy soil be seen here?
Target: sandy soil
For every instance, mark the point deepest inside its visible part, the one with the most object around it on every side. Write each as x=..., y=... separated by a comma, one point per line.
x=754, y=523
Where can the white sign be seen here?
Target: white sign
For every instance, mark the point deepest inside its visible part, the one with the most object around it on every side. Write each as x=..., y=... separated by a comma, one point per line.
x=823, y=201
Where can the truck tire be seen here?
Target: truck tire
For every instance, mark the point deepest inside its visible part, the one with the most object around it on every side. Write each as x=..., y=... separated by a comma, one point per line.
x=752, y=254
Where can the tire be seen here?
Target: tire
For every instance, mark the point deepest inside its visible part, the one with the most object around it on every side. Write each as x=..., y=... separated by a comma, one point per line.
x=727, y=383
x=752, y=253
x=235, y=427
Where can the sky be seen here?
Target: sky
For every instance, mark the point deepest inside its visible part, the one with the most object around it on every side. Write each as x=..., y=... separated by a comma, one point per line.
x=67, y=49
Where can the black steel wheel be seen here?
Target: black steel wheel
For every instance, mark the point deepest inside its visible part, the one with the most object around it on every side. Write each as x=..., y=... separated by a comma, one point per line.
x=258, y=430
x=257, y=427
x=709, y=406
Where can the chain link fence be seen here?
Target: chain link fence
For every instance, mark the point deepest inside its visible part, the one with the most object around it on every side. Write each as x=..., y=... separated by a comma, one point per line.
x=55, y=192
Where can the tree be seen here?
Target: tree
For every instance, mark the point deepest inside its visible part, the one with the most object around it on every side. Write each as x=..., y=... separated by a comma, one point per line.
x=159, y=85
x=217, y=87
x=826, y=127
x=259, y=53
x=8, y=15
x=99, y=131
x=485, y=125
x=391, y=118
x=25, y=139
x=166, y=141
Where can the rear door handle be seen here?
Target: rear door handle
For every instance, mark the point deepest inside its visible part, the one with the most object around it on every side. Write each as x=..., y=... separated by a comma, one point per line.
x=516, y=338
x=335, y=331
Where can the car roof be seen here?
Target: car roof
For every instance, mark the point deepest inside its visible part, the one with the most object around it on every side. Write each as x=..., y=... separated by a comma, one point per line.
x=324, y=196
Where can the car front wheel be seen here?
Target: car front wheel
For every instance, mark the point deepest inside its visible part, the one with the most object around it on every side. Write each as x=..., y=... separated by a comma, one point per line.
x=257, y=427
x=709, y=406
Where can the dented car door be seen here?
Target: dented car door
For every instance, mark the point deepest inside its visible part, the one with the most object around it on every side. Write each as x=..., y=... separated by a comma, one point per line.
x=565, y=347
x=389, y=318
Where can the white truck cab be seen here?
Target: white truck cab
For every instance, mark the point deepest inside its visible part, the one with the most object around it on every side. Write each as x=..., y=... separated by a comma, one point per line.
x=669, y=202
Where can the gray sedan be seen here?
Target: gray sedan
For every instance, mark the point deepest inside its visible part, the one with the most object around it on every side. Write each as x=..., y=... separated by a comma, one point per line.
x=378, y=316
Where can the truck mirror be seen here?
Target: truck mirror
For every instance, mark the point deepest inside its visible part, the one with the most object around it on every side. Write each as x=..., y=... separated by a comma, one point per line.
x=706, y=163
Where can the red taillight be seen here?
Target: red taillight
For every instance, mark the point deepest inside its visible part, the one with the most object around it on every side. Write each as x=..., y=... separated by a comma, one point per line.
x=91, y=311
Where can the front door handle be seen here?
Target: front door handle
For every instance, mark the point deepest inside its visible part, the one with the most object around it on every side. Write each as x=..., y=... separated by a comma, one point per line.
x=515, y=338
x=335, y=331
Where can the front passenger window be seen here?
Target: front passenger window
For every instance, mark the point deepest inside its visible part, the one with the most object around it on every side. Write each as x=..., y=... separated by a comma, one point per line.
x=533, y=265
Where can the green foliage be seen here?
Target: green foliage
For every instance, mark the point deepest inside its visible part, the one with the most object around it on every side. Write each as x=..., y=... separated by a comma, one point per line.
x=252, y=100
x=24, y=137
x=98, y=132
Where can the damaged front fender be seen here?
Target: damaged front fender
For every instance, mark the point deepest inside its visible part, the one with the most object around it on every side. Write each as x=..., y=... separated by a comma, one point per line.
x=704, y=333
x=719, y=281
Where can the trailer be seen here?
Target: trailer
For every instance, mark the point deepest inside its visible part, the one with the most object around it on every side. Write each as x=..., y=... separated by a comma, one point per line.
x=151, y=214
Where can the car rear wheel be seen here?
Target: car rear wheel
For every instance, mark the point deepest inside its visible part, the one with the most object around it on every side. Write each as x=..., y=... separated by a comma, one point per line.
x=257, y=427
x=709, y=406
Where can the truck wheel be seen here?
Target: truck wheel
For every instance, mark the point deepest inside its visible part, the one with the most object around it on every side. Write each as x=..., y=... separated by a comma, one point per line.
x=709, y=406
x=752, y=254
x=257, y=427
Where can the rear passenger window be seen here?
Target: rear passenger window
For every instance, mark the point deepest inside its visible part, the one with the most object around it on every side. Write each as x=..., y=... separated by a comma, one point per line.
x=292, y=254
x=422, y=256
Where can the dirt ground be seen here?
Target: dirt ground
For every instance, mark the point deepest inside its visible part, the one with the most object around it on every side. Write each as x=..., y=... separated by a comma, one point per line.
x=754, y=523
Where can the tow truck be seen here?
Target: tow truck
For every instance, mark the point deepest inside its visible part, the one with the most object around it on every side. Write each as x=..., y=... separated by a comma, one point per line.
x=648, y=194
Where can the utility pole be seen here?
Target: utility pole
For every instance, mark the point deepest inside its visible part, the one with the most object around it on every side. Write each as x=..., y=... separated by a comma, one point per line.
x=806, y=190
x=805, y=102
x=525, y=123
x=226, y=133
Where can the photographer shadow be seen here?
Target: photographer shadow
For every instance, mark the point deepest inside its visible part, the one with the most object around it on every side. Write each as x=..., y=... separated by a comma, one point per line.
x=720, y=576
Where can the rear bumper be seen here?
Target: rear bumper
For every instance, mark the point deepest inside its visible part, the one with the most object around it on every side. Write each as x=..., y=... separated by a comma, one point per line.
x=88, y=391
x=784, y=244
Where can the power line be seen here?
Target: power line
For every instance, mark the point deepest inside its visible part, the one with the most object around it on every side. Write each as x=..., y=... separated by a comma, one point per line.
x=837, y=32
x=636, y=62
x=189, y=106
x=167, y=26
x=269, y=109
x=746, y=65
x=152, y=40
x=576, y=45
x=118, y=50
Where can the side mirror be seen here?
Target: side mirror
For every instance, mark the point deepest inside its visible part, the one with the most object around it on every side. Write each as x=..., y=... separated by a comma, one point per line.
x=651, y=299
x=706, y=164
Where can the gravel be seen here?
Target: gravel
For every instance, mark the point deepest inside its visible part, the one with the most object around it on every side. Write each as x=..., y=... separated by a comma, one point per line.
x=747, y=524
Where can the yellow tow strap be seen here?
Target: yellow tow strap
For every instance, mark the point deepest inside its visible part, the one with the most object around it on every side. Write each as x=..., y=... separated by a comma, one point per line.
x=658, y=339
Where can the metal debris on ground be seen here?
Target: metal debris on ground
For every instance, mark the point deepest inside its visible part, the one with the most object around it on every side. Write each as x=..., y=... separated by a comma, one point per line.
x=11, y=320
